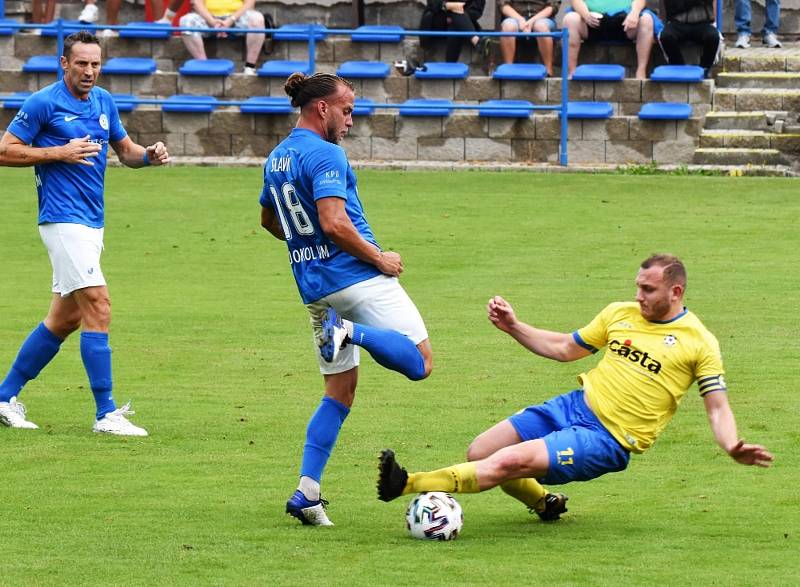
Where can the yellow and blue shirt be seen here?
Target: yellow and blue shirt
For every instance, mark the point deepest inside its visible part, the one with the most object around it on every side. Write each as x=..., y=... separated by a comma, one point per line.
x=647, y=369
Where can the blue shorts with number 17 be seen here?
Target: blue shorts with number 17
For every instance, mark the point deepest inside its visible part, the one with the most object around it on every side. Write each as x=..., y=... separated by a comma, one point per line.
x=580, y=447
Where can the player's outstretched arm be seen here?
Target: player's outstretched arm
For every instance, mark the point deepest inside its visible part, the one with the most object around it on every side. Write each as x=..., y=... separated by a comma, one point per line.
x=15, y=153
x=132, y=155
x=558, y=346
x=339, y=228
x=723, y=425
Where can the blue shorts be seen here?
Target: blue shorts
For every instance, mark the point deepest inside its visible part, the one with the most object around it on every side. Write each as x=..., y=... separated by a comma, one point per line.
x=579, y=446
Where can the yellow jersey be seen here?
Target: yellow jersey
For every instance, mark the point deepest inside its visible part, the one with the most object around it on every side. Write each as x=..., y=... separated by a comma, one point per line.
x=223, y=7
x=647, y=369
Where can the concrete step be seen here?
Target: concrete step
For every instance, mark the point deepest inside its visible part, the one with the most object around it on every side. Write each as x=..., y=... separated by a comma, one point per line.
x=754, y=100
x=736, y=120
x=762, y=80
x=746, y=170
x=762, y=60
x=731, y=156
x=734, y=138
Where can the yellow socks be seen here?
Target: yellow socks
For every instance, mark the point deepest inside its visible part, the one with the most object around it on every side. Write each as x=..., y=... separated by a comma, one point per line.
x=528, y=491
x=456, y=479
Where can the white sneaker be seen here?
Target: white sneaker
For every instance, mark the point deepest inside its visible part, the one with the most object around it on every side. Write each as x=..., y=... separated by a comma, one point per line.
x=249, y=71
x=108, y=33
x=163, y=20
x=12, y=414
x=743, y=41
x=116, y=423
x=88, y=14
x=771, y=41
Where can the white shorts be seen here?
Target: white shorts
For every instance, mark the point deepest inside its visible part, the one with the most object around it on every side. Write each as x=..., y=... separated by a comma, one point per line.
x=74, y=251
x=380, y=302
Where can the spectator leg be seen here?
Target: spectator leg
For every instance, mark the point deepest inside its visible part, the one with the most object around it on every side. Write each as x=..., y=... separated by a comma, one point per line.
x=670, y=39
x=508, y=45
x=741, y=16
x=194, y=44
x=112, y=11
x=644, y=45
x=544, y=44
x=457, y=22
x=577, y=32
x=772, y=16
x=254, y=41
x=709, y=39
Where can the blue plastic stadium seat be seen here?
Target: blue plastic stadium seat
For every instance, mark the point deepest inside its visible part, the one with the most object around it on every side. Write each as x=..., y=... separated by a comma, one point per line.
x=378, y=33
x=149, y=30
x=188, y=103
x=70, y=26
x=266, y=105
x=363, y=107
x=440, y=70
x=677, y=73
x=42, y=64
x=129, y=66
x=4, y=29
x=589, y=110
x=363, y=69
x=665, y=111
x=15, y=100
x=505, y=109
x=125, y=102
x=299, y=32
x=599, y=72
x=520, y=71
x=222, y=67
x=426, y=107
x=280, y=68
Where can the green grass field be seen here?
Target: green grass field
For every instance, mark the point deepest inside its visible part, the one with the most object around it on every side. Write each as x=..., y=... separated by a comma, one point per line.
x=212, y=343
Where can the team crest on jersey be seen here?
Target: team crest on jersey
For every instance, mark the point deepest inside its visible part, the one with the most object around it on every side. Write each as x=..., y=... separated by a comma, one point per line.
x=103, y=120
x=670, y=340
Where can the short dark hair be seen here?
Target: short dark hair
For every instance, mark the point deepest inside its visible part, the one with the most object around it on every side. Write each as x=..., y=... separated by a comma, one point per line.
x=674, y=270
x=303, y=89
x=79, y=37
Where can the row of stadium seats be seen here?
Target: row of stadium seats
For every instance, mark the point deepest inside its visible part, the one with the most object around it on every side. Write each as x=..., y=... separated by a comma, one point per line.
x=373, y=69
x=414, y=107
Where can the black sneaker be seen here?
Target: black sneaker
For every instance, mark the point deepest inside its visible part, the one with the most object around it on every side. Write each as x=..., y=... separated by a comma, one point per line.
x=392, y=477
x=555, y=504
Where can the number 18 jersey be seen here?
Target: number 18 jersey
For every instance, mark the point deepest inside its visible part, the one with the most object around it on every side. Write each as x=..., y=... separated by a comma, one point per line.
x=302, y=169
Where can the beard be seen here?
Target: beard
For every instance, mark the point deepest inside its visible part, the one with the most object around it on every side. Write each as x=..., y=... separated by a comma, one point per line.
x=332, y=135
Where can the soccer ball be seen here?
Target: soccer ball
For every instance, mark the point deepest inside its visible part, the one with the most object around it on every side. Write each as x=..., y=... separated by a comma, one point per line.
x=434, y=516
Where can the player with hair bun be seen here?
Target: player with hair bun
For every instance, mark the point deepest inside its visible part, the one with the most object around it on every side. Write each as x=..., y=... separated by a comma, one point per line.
x=348, y=283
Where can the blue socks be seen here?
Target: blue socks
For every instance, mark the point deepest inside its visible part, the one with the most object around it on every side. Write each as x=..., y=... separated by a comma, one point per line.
x=321, y=434
x=96, y=355
x=390, y=349
x=35, y=353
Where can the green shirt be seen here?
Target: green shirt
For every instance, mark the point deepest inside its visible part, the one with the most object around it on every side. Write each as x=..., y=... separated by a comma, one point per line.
x=608, y=6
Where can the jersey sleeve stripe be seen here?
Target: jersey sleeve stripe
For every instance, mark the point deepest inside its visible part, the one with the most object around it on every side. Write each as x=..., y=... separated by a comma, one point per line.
x=711, y=383
x=580, y=342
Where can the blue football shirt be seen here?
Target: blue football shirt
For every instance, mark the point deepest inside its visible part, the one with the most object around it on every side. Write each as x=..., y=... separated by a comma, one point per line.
x=51, y=117
x=302, y=169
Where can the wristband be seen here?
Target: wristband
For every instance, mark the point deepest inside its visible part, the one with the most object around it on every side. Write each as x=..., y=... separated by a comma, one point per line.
x=145, y=159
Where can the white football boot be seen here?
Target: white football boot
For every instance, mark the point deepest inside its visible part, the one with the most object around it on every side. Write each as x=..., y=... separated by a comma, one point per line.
x=116, y=423
x=12, y=414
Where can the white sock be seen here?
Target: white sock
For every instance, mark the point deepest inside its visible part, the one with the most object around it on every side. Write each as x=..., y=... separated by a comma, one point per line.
x=309, y=488
x=170, y=14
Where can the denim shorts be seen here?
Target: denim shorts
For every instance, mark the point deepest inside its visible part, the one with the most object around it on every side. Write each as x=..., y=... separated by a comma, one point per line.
x=579, y=446
x=551, y=24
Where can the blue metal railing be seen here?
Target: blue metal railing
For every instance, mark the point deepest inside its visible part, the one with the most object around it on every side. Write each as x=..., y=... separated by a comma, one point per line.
x=62, y=29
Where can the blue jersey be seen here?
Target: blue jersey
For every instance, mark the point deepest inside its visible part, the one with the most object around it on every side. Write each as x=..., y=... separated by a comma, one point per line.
x=301, y=170
x=51, y=117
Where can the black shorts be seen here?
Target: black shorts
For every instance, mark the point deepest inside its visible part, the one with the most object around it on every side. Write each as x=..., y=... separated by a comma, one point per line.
x=610, y=29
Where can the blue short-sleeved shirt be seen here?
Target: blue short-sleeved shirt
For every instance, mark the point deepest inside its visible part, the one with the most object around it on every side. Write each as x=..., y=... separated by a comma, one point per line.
x=302, y=169
x=51, y=117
